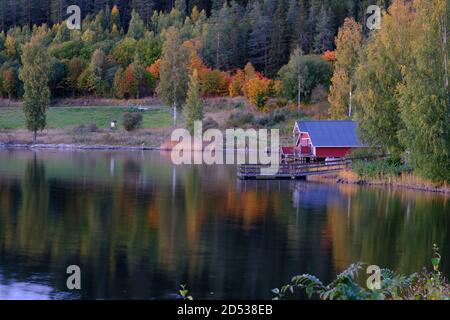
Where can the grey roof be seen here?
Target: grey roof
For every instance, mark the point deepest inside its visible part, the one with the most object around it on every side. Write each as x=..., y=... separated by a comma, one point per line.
x=331, y=133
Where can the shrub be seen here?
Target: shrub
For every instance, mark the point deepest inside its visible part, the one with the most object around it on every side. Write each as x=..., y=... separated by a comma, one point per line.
x=210, y=123
x=240, y=119
x=66, y=50
x=107, y=138
x=365, y=153
x=314, y=71
x=235, y=88
x=257, y=91
x=80, y=129
x=378, y=168
x=83, y=129
x=92, y=127
x=273, y=118
x=275, y=103
x=427, y=285
x=319, y=94
x=214, y=82
x=131, y=120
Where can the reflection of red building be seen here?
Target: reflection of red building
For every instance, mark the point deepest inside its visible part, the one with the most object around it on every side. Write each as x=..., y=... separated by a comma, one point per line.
x=325, y=138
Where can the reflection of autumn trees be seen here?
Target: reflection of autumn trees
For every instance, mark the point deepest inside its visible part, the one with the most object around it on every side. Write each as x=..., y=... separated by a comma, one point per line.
x=117, y=216
x=390, y=228
x=32, y=220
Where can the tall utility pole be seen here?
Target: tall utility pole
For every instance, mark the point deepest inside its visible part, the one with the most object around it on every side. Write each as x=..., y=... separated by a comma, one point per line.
x=299, y=93
x=350, y=101
x=299, y=82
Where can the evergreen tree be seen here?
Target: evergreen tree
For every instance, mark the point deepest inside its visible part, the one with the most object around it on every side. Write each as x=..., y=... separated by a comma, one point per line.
x=144, y=8
x=194, y=103
x=173, y=82
x=323, y=39
x=58, y=10
x=136, y=29
x=35, y=76
x=217, y=4
x=312, y=23
x=301, y=33
x=259, y=38
x=218, y=42
x=279, y=49
x=291, y=17
x=238, y=36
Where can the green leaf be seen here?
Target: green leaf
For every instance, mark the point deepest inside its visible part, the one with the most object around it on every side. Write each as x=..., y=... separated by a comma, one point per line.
x=309, y=291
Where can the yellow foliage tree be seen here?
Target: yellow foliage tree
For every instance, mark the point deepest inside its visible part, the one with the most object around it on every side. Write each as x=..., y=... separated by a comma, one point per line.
x=348, y=46
x=257, y=91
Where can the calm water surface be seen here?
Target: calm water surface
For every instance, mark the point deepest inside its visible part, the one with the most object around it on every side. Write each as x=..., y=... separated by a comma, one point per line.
x=139, y=227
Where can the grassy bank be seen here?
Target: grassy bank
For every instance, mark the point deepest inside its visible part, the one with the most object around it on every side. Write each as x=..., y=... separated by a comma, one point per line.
x=151, y=138
x=64, y=117
x=69, y=120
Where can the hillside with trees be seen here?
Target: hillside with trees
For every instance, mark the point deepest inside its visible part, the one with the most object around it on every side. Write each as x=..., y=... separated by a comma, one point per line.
x=122, y=39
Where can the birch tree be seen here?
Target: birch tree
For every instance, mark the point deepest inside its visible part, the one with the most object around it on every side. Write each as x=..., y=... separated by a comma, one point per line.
x=172, y=87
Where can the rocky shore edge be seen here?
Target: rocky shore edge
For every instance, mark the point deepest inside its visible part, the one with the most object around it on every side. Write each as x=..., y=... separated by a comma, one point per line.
x=418, y=187
x=61, y=146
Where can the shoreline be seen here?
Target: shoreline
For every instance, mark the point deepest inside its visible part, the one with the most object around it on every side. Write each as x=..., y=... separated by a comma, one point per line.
x=63, y=146
x=339, y=179
x=68, y=147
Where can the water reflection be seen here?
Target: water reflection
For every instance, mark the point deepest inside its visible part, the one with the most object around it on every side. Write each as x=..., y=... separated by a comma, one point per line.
x=138, y=227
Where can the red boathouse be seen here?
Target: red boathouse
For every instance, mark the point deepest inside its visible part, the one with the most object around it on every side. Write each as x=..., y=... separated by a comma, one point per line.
x=325, y=138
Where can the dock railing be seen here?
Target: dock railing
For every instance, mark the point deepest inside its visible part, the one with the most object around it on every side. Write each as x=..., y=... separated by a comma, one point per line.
x=297, y=169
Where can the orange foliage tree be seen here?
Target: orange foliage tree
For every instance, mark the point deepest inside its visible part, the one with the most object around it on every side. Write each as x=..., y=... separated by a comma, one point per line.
x=329, y=56
x=154, y=69
x=131, y=83
x=236, y=83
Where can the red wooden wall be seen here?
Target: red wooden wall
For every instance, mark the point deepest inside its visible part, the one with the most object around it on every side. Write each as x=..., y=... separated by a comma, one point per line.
x=334, y=152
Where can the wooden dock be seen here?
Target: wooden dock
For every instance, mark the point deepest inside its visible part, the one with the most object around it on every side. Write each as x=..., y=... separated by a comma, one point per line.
x=295, y=170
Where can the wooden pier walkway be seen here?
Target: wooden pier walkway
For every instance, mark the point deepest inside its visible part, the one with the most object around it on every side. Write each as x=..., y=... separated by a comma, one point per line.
x=295, y=170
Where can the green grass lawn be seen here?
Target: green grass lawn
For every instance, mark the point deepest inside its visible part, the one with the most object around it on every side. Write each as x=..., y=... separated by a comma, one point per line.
x=62, y=117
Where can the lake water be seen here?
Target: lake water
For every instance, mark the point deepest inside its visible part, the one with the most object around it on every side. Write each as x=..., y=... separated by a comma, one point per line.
x=139, y=227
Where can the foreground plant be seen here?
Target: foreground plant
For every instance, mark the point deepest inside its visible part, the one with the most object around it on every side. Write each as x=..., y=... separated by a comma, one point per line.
x=184, y=292
x=427, y=285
